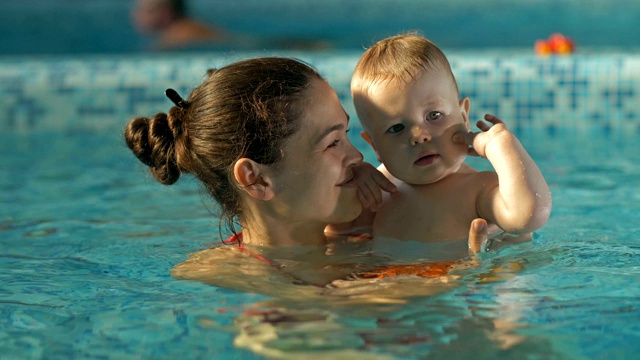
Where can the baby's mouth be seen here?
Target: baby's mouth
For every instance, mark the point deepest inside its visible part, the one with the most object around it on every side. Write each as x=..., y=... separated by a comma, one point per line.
x=427, y=160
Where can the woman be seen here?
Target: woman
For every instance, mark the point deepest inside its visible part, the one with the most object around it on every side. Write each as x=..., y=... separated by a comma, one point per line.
x=268, y=139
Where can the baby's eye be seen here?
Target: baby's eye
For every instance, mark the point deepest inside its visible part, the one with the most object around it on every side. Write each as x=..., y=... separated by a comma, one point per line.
x=434, y=115
x=395, y=128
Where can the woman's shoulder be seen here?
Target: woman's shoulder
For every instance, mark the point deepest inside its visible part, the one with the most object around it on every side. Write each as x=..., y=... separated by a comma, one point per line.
x=205, y=264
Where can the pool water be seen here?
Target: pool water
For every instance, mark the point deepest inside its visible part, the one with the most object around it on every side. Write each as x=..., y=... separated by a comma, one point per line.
x=88, y=238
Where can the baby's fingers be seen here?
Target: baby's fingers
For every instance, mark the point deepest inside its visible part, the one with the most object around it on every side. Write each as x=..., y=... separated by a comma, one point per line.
x=383, y=183
x=369, y=191
x=493, y=119
x=473, y=152
x=466, y=138
x=463, y=137
x=368, y=199
x=371, y=183
x=483, y=126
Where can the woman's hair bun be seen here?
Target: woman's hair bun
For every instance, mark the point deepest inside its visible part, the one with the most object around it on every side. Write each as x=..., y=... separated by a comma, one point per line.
x=153, y=143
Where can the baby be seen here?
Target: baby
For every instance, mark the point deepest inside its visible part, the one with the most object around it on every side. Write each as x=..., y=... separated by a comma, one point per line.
x=408, y=102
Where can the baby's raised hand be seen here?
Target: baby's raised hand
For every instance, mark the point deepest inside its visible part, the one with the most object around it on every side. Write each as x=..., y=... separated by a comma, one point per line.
x=371, y=183
x=479, y=141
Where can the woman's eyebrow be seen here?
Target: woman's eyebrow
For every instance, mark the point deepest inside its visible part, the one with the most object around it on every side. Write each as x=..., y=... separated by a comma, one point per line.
x=335, y=127
x=328, y=131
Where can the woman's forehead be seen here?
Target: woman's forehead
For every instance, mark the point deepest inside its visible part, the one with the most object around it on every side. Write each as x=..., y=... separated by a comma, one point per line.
x=322, y=114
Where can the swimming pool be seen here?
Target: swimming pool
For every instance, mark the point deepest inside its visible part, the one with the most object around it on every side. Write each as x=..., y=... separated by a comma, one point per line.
x=88, y=237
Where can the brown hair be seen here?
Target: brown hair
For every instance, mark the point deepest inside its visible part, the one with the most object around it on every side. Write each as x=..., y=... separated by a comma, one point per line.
x=243, y=110
x=401, y=57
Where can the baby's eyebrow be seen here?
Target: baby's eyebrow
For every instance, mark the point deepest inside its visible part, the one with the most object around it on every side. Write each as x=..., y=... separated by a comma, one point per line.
x=434, y=102
x=385, y=123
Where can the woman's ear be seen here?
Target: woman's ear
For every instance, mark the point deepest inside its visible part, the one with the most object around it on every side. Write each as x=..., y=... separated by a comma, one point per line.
x=251, y=178
x=465, y=106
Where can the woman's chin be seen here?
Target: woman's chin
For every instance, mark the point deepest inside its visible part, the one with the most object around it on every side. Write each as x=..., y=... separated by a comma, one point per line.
x=350, y=213
x=345, y=210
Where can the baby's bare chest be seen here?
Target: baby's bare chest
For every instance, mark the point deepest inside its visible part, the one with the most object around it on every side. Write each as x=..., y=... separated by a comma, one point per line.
x=427, y=213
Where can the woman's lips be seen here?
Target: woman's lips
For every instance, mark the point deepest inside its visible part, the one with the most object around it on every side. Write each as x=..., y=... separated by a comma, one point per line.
x=427, y=160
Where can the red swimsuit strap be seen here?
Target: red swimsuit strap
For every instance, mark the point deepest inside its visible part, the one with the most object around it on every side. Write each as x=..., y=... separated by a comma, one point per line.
x=237, y=239
x=361, y=236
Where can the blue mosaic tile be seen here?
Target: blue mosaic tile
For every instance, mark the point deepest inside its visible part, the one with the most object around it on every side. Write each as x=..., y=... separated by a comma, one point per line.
x=579, y=92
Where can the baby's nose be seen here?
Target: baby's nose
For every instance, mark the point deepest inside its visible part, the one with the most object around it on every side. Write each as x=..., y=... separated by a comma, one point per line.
x=420, y=135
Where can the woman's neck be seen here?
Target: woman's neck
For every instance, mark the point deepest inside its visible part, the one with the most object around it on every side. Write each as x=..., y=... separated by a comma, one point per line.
x=269, y=232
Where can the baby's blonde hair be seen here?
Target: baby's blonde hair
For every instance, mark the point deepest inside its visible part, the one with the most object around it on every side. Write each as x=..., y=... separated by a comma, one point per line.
x=397, y=58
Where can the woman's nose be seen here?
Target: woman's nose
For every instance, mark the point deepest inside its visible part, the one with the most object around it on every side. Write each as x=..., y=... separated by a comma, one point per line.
x=353, y=155
x=419, y=135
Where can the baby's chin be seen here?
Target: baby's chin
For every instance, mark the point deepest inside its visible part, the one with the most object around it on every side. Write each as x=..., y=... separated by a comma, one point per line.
x=416, y=180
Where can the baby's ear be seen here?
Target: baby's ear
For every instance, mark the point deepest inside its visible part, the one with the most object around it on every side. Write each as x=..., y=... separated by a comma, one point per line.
x=465, y=105
x=365, y=135
x=252, y=178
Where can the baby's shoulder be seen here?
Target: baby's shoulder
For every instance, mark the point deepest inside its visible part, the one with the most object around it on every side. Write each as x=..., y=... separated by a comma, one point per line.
x=467, y=174
x=483, y=178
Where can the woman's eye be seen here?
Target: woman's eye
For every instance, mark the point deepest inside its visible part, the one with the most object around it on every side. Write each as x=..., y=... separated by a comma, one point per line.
x=337, y=141
x=395, y=129
x=434, y=115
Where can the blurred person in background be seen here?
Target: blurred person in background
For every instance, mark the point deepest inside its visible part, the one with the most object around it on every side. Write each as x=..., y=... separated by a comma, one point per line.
x=169, y=23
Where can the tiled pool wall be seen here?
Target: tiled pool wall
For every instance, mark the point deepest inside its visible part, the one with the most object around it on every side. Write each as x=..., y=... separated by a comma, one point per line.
x=573, y=93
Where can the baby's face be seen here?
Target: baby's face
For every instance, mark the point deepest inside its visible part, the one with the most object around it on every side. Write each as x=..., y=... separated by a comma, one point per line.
x=410, y=126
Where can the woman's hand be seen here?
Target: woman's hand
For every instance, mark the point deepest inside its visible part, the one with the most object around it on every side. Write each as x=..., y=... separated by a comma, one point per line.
x=478, y=235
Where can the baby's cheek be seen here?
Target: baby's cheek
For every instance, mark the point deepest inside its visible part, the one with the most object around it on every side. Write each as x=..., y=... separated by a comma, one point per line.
x=447, y=134
x=458, y=151
x=461, y=127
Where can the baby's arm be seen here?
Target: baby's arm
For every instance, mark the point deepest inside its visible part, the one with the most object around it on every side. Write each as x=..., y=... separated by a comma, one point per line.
x=521, y=201
x=371, y=184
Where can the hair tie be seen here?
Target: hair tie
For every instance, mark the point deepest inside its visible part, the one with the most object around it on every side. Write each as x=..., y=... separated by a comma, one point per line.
x=176, y=99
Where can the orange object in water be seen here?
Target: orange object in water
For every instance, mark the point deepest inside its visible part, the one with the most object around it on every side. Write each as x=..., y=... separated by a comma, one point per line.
x=427, y=270
x=542, y=48
x=556, y=44
x=564, y=48
x=560, y=44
